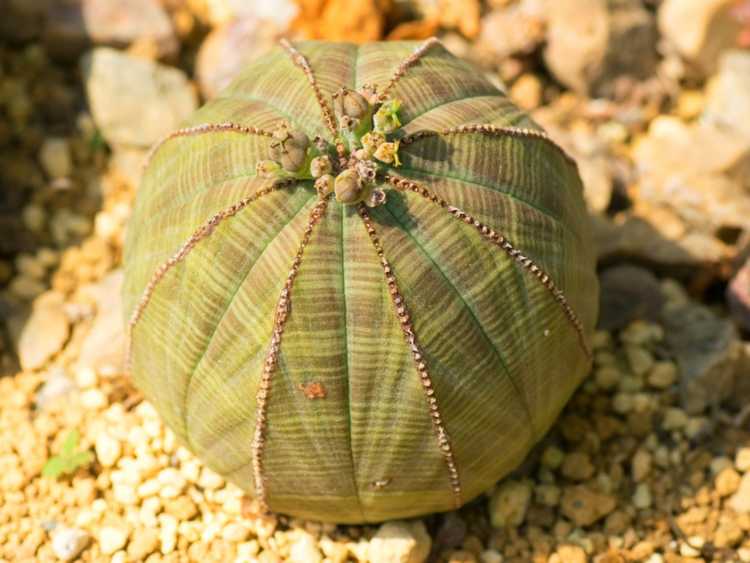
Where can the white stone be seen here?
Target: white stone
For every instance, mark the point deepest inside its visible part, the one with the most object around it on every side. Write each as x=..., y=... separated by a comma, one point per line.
x=742, y=459
x=112, y=539
x=93, y=399
x=108, y=449
x=400, y=542
x=55, y=158
x=68, y=543
x=304, y=549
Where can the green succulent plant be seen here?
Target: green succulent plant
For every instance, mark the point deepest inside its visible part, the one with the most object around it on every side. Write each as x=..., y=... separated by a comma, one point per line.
x=69, y=460
x=360, y=282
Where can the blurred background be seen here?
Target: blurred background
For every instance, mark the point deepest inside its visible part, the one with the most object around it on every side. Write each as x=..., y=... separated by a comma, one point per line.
x=651, y=461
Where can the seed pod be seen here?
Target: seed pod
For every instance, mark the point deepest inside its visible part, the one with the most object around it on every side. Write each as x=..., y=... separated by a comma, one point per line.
x=289, y=147
x=350, y=103
x=349, y=363
x=324, y=185
x=349, y=187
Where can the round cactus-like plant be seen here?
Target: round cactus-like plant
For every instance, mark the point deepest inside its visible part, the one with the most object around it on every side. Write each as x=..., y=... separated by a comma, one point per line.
x=360, y=282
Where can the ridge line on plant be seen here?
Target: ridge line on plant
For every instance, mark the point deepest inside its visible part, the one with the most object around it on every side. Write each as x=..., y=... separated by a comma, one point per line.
x=269, y=365
x=201, y=129
x=489, y=129
x=404, y=65
x=199, y=234
x=498, y=239
x=301, y=61
x=404, y=318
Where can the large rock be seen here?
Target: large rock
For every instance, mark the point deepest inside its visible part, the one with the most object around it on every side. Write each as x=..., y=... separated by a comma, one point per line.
x=219, y=12
x=135, y=101
x=228, y=48
x=699, y=30
x=592, y=42
x=708, y=352
x=514, y=29
x=728, y=103
x=76, y=25
x=103, y=347
x=45, y=332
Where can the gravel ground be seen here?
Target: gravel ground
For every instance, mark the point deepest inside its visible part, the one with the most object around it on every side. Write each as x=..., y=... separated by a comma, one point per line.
x=650, y=460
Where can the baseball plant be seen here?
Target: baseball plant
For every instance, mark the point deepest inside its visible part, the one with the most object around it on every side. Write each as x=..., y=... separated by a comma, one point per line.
x=360, y=282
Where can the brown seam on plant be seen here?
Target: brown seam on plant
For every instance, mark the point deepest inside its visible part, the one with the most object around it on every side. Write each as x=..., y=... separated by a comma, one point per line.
x=301, y=61
x=203, y=129
x=404, y=318
x=199, y=234
x=269, y=365
x=501, y=241
x=488, y=129
x=408, y=62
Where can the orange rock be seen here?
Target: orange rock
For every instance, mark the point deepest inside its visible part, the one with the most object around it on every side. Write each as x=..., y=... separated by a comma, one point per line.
x=342, y=20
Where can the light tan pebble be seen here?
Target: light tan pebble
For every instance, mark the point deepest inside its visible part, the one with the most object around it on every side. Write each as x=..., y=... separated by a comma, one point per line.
x=577, y=466
x=55, y=157
x=662, y=375
x=30, y=266
x=622, y=403
x=462, y=556
x=719, y=463
x=304, y=549
x=642, y=496
x=552, y=457
x=491, y=556
x=25, y=287
x=642, y=403
x=99, y=506
x=605, y=358
x=181, y=508
x=125, y=494
x=148, y=465
x=641, y=465
x=128, y=475
x=742, y=460
x=661, y=456
x=191, y=530
x=740, y=500
x=697, y=426
x=112, y=539
x=655, y=558
x=119, y=557
x=149, y=488
x=152, y=428
x=335, y=552
x=143, y=542
x=630, y=384
x=210, y=480
x=137, y=437
x=584, y=506
x=569, y=554
x=509, y=503
x=108, y=449
x=232, y=504
x=172, y=477
x=744, y=554
x=146, y=411
x=607, y=377
x=691, y=548
x=547, y=495
x=400, y=541
x=249, y=549
x=674, y=419
x=34, y=217
x=68, y=543
x=169, y=444
x=93, y=399
x=47, y=256
x=86, y=518
x=639, y=359
x=105, y=225
x=86, y=377
x=191, y=470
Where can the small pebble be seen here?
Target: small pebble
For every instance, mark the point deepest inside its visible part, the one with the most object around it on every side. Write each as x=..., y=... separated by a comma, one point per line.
x=577, y=466
x=742, y=460
x=509, y=503
x=642, y=496
x=55, y=157
x=674, y=419
x=112, y=538
x=641, y=465
x=662, y=375
x=108, y=449
x=68, y=543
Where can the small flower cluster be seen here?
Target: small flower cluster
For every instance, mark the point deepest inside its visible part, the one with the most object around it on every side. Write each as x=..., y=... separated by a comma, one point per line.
x=364, y=125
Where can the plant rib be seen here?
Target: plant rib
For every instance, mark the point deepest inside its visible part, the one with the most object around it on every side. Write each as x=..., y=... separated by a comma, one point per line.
x=281, y=315
x=202, y=129
x=202, y=232
x=420, y=362
x=408, y=62
x=498, y=239
x=301, y=61
x=488, y=129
